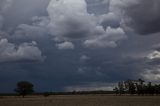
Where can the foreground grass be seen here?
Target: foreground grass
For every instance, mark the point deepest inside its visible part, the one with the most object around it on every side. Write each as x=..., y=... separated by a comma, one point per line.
x=81, y=100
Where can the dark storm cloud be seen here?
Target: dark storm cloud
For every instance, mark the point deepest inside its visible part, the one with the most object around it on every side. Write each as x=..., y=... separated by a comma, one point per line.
x=21, y=11
x=77, y=44
x=141, y=15
x=4, y=5
x=9, y=50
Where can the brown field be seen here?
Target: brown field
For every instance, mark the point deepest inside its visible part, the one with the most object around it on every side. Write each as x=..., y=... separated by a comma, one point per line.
x=81, y=100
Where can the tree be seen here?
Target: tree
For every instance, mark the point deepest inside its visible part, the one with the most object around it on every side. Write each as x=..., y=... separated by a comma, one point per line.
x=150, y=88
x=24, y=88
x=130, y=86
x=121, y=88
x=116, y=90
x=140, y=87
x=137, y=87
x=157, y=89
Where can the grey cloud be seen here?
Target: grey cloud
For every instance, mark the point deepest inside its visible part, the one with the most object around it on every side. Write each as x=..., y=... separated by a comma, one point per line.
x=141, y=15
x=152, y=74
x=65, y=45
x=70, y=22
x=98, y=7
x=150, y=70
x=1, y=21
x=84, y=58
x=25, y=51
x=74, y=22
x=4, y=5
x=156, y=47
x=67, y=34
x=38, y=29
x=21, y=12
x=154, y=55
x=110, y=19
x=108, y=39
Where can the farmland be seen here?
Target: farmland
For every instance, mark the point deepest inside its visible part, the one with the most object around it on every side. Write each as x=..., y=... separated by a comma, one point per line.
x=81, y=100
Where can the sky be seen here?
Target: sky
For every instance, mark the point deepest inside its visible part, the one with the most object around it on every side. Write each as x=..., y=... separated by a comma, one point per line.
x=68, y=45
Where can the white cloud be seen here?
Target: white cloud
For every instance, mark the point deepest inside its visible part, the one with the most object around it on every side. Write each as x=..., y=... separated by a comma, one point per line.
x=154, y=55
x=25, y=51
x=65, y=45
x=69, y=18
x=108, y=39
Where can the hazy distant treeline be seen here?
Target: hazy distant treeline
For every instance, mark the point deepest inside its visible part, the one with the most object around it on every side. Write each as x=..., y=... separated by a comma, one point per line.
x=78, y=93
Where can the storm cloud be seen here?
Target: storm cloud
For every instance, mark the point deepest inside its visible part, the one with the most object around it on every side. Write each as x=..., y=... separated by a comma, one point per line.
x=141, y=15
x=74, y=22
x=78, y=44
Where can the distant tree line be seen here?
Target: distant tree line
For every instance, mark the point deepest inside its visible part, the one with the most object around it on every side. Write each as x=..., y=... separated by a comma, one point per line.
x=46, y=94
x=138, y=87
x=24, y=88
x=132, y=87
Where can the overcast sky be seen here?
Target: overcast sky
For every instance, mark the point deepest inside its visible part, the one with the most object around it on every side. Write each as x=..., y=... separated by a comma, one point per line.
x=66, y=45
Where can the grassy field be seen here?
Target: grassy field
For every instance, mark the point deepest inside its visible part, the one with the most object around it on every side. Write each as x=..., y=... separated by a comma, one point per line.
x=81, y=100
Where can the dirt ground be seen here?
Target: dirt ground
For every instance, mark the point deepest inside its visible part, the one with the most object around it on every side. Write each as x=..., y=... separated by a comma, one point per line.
x=81, y=100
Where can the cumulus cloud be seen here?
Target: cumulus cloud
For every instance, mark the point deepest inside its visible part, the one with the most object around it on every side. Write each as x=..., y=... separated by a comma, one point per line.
x=70, y=20
x=154, y=55
x=151, y=69
x=38, y=29
x=21, y=11
x=26, y=51
x=65, y=46
x=109, y=19
x=108, y=39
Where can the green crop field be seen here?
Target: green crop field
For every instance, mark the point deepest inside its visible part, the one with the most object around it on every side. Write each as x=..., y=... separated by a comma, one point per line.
x=81, y=100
